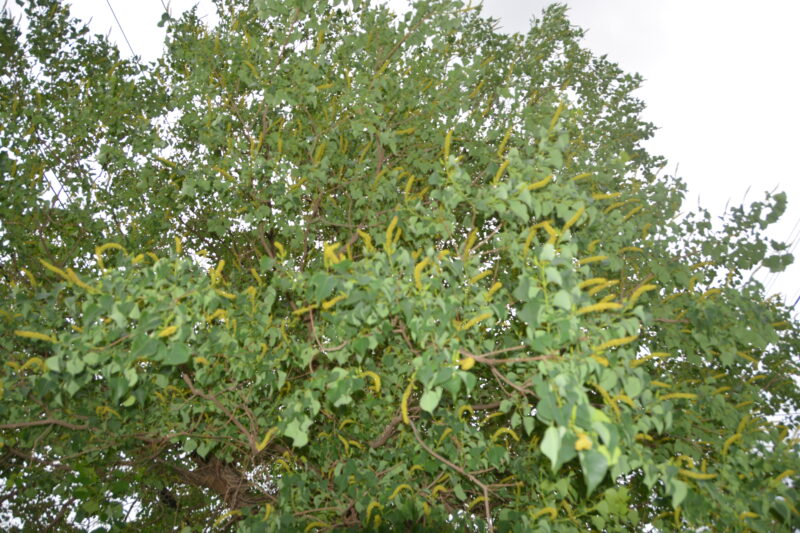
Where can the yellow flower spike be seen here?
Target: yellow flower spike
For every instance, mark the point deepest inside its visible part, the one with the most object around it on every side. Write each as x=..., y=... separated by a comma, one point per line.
x=475, y=320
x=314, y=525
x=573, y=219
x=583, y=442
x=55, y=270
x=404, y=401
x=581, y=176
x=30, y=277
x=729, y=441
x=34, y=335
x=200, y=360
x=476, y=501
x=418, y=272
x=605, y=306
x=367, y=240
x=747, y=514
x=346, y=444
x=709, y=293
x=372, y=506
x=257, y=277
x=605, y=196
x=376, y=379
x=592, y=259
x=699, y=476
x=590, y=282
x=327, y=304
x=399, y=489
x=267, y=438
x=679, y=396
x=592, y=246
x=446, y=149
x=390, y=234
x=471, y=238
x=437, y=489
x=280, y=248
x=600, y=359
x=178, y=245
x=541, y=183
x=625, y=249
x=463, y=409
x=500, y=172
x=501, y=148
x=168, y=331
x=660, y=384
x=556, y=115
x=614, y=343
x=632, y=212
x=225, y=294
x=445, y=433
x=546, y=511
x=745, y=356
x=505, y=431
x=493, y=289
x=639, y=291
x=33, y=362
x=305, y=309
x=477, y=277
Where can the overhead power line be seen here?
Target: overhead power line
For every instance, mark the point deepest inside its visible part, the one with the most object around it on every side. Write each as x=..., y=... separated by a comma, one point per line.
x=120, y=27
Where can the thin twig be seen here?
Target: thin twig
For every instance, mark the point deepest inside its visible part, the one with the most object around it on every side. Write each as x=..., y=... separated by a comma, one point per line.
x=486, y=506
x=213, y=399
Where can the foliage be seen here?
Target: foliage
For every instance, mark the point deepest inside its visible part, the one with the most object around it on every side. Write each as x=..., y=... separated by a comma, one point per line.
x=323, y=267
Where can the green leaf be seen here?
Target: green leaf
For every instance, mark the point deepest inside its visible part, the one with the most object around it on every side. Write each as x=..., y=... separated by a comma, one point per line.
x=430, y=399
x=594, y=466
x=297, y=430
x=177, y=353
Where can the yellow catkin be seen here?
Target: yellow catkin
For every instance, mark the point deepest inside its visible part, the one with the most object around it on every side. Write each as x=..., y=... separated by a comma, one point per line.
x=582, y=175
x=604, y=306
x=614, y=343
x=700, y=476
x=446, y=149
x=505, y=431
x=404, y=402
x=477, y=277
x=418, y=272
x=471, y=322
x=632, y=212
x=166, y=332
x=367, y=240
x=729, y=441
x=590, y=282
x=376, y=379
x=630, y=249
x=573, y=219
x=546, y=511
x=679, y=396
x=471, y=238
x=639, y=291
x=504, y=141
x=327, y=304
x=493, y=289
x=390, y=234
x=500, y=171
x=304, y=309
x=399, y=489
x=592, y=246
x=592, y=259
x=541, y=183
x=55, y=269
x=606, y=196
x=476, y=501
x=34, y=335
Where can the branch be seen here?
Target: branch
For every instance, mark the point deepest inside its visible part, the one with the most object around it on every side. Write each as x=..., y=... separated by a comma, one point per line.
x=486, y=507
x=213, y=399
x=45, y=422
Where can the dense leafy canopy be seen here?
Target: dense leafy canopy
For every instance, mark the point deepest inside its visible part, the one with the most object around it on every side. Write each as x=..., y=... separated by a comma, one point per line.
x=323, y=267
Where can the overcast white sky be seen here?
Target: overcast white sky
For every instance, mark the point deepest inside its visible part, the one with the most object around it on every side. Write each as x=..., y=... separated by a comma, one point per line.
x=721, y=83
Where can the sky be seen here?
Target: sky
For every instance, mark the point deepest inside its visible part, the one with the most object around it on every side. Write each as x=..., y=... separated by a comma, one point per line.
x=720, y=82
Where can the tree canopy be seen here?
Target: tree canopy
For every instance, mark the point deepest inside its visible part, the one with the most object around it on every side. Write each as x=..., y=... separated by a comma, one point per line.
x=322, y=267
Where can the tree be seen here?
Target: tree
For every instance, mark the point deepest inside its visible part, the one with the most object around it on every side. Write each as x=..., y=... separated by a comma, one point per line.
x=321, y=267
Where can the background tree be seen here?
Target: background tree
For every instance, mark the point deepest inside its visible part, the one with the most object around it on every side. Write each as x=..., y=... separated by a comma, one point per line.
x=325, y=267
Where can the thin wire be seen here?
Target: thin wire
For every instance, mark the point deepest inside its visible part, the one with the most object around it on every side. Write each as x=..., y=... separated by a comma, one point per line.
x=120, y=27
